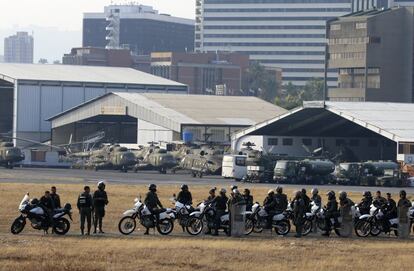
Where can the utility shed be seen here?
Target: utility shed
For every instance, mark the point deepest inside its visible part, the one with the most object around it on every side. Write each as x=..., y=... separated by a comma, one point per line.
x=30, y=93
x=144, y=117
x=371, y=130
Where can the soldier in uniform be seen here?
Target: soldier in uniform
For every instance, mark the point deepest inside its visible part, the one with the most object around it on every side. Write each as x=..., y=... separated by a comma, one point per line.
x=390, y=210
x=55, y=197
x=269, y=204
x=299, y=210
x=306, y=200
x=331, y=212
x=153, y=203
x=365, y=204
x=220, y=206
x=184, y=196
x=316, y=198
x=85, y=208
x=100, y=200
x=248, y=198
x=379, y=201
x=281, y=200
x=404, y=202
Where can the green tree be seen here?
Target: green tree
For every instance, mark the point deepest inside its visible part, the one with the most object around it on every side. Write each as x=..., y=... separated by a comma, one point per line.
x=262, y=82
x=293, y=96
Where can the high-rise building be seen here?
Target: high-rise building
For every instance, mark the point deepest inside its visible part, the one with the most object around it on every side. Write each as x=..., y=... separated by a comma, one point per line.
x=18, y=48
x=139, y=28
x=289, y=34
x=373, y=51
x=361, y=5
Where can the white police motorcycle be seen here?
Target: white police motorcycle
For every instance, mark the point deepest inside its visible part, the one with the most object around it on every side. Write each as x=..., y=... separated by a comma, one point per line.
x=39, y=219
x=140, y=212
x=279, y=222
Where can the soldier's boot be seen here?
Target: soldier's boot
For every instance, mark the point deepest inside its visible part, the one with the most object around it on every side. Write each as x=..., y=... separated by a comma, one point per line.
x=82, y=232
x=146, y=231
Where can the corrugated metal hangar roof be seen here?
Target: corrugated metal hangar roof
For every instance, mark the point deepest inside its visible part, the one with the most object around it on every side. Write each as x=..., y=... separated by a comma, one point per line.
x=76, y=73
x=173, y=110
x=391, y=120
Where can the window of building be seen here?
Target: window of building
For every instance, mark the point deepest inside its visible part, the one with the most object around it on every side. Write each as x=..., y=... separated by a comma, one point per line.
x=307, y=141
x=361, y=25
x=38, y=156
x=372, y=143
x=340, y=142
x=287, y=141
x=354, y=143
x=272, y=141
x=217, y=135
x=335, y=27
x=405, y=148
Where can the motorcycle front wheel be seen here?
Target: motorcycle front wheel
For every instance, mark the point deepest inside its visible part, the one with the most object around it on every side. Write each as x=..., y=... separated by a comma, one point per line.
x=165, y=226
x=248, y=226
x=375, y=229
x=127, y=225
x=282, y=227
x=62, y=226
x=195, y=226
x=307, y=227
x=18, y=226
x=362, y=228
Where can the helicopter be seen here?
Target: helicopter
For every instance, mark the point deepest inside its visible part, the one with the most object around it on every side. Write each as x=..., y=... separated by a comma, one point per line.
x=154, y=158
x=9, y=154
x=109, y=156
x=206, y=160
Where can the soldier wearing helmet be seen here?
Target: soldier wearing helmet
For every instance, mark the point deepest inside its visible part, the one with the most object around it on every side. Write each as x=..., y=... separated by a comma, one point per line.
x=153, y=203
x=184, y=196
x=306, y=200
x=100, y=200
x=281, y=200
x=365, y=204
x=331, y=212
x=316, y=198
x=344, y=201
x=269, y=204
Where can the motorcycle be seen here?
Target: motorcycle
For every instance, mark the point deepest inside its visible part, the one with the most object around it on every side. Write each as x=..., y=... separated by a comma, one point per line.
x=259, y=217
x=375, y=223
x=204, y=216
x=39, y=219
x=182, y=212
x=309, y=218
x=140, y=212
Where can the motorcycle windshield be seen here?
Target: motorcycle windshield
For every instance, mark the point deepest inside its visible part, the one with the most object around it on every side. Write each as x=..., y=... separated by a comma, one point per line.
x=24, y=201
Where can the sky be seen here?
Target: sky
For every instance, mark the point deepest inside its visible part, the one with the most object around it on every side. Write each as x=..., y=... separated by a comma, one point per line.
x=57, y=24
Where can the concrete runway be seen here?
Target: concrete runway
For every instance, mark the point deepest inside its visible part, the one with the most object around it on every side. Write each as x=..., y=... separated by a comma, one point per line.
x=56, y=176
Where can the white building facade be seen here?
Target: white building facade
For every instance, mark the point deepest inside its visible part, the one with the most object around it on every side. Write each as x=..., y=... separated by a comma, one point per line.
x=289, y=34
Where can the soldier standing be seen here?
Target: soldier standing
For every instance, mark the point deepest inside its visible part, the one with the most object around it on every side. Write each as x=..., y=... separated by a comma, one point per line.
x=55, y=198
x=85, y=208
x=100, y=200
x=299, y=209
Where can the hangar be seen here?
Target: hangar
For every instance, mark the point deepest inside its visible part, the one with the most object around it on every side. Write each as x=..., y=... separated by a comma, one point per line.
x=30, y=93
x=371, y=130
x=139, y=118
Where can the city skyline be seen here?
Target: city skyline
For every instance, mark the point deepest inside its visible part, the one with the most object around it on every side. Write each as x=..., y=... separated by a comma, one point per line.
x=66, y=27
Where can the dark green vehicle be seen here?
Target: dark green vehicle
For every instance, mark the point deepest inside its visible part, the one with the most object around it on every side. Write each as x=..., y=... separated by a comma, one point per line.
x=303, y=171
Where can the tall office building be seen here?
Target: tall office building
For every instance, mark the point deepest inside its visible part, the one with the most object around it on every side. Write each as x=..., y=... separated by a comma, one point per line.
x=289, y=34
x=18, y=48
x=139, y=28
x=373, y=51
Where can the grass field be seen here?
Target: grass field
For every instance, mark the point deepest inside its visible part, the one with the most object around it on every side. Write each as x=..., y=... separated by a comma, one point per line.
x=31, y=250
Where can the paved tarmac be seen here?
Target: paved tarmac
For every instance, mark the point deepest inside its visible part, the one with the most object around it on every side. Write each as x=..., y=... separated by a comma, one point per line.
x=47, y=175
